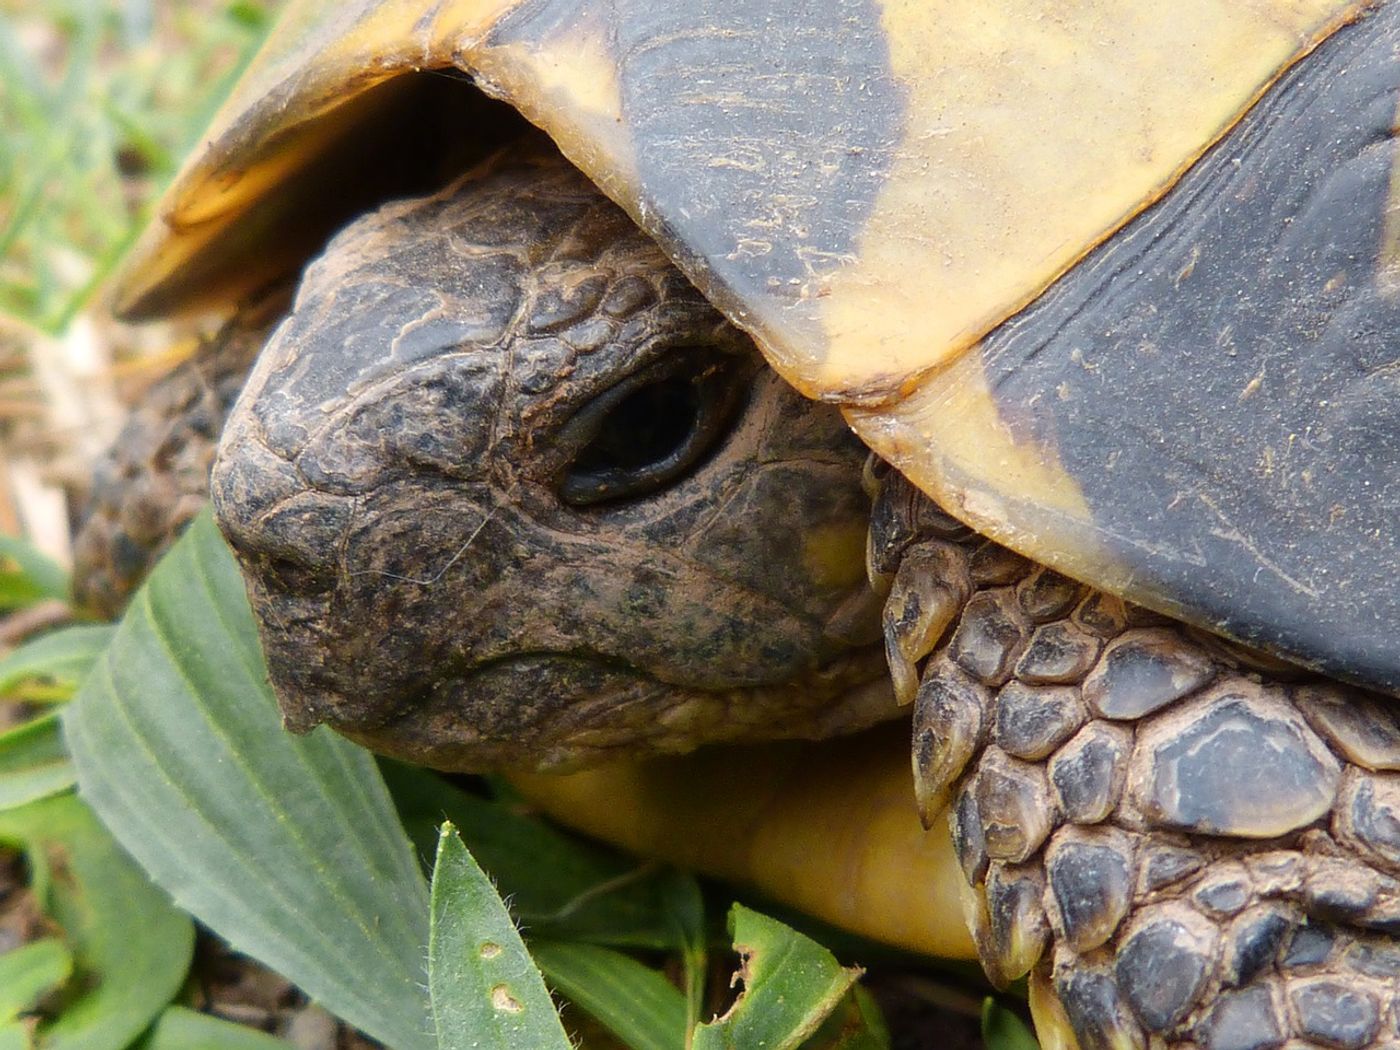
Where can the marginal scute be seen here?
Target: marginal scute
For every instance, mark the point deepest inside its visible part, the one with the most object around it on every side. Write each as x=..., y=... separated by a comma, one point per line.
x=1237, y=762
x=948, y=730
x=1031, y=720
x=1087, y=774
x=1363, y=730
x=1057, y=652
x=1091, y=877
x=1244, y=1020
x=989, y=637
x=1334, y=1014
x=1143, y=671
x=1014, y=802
x=1163, y=963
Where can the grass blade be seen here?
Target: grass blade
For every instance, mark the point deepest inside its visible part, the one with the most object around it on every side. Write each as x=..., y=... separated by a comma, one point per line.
x=62, y=657
x=131, y=949
x=634, y=1002
x=181, y=1029
x=33, y=763
x=486, y=993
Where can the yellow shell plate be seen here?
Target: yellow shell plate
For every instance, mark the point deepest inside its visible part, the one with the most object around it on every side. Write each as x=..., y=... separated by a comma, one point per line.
x=1025, y=135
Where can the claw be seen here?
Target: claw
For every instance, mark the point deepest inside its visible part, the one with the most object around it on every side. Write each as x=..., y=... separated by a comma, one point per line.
x=930, y=590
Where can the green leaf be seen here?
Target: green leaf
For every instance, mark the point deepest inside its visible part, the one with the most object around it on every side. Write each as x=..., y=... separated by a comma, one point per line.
x=286, y=846
x=131, y=949
x=1003, y=1030
x=559, y=885
x=685, y=909
x=791, y=986
x=634, y=1002
x=14, y=1036
x=855, y=1024
x=62, y=657
x=27, y=576
x=33, y=763
x=486, y=993
x=30, y=972
x=181, y=1029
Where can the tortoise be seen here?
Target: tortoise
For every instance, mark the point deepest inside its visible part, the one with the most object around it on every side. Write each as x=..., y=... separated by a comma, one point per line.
x=1107, y=289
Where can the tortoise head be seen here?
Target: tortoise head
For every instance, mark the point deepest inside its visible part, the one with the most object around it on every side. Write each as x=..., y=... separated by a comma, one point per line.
x=508, y=491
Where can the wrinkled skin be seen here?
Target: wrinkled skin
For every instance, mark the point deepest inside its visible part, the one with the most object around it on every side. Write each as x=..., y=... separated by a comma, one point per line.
x=509, y=492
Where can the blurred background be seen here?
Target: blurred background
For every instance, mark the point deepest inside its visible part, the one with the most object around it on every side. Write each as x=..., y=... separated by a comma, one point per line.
x=99, y=101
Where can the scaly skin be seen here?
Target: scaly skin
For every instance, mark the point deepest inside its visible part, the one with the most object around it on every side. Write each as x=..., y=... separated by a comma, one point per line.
x=1187, y=843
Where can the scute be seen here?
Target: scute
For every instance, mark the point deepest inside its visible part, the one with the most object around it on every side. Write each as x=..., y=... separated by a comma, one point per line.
x=879, y=192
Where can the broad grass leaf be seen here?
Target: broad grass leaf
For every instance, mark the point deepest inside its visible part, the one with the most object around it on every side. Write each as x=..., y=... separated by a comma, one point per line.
x=28, y=576
x=30, y=972
x=1003, y=1030
x=559, y=885
x=288, y=847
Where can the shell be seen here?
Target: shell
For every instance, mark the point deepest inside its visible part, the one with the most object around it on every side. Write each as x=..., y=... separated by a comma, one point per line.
x=1114, y=283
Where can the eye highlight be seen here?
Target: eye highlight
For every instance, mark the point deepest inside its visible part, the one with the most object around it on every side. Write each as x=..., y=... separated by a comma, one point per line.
x=651, y=429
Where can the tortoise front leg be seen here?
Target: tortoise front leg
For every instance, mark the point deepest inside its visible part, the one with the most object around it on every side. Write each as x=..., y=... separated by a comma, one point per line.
x=1181, y=842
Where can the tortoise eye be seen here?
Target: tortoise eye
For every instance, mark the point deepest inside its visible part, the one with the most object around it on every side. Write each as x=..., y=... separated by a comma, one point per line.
x=651, y=429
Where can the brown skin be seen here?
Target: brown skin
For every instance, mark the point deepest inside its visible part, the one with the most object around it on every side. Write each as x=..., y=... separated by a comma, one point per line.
x=509, y=492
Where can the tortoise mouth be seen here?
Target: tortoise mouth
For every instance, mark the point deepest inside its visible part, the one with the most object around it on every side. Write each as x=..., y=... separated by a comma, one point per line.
x=559, y=711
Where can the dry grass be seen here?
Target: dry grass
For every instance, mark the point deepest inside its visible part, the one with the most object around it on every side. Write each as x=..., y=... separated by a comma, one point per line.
x=100, y=100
